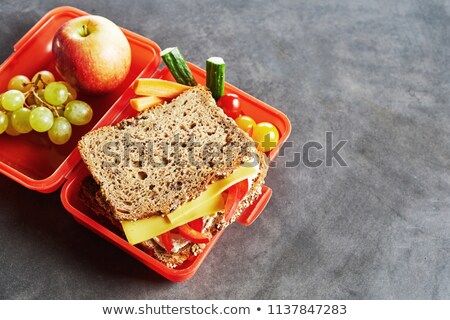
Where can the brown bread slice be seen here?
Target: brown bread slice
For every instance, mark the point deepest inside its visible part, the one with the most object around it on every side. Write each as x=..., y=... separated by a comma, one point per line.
x=138, y=178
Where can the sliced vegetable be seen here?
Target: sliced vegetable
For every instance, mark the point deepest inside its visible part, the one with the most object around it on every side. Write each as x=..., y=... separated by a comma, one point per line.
x=236, y=193
x=158, y=87
x=246, y=123
x=266, y=136
x=230, y=105
x=166, y=239
x=215, y=76
x=177, y=65
x=192, y=235
x=197, y=224
x=143, y=103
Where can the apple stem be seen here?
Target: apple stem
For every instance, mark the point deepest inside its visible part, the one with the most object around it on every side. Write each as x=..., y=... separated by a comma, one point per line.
x=85, y=31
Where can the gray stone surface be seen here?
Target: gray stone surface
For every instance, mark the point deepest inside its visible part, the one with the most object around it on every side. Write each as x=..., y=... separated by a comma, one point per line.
x=374, y=73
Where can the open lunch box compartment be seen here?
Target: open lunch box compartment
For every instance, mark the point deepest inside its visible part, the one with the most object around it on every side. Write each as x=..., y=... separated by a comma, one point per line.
x=33, y=161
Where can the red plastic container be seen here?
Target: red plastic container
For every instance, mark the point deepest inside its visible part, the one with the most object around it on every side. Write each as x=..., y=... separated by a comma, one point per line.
x=33, y=161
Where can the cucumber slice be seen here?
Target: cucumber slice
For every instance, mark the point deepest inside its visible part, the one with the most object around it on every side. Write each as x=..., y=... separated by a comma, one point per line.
x=177, y=65
x=215, y=76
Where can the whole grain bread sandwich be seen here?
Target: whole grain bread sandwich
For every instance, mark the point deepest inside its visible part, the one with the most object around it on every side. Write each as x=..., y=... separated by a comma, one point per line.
x=173, y=176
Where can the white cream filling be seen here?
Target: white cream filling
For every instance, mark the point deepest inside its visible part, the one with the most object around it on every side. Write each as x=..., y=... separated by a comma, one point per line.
x=177, y=240
x=207, y=222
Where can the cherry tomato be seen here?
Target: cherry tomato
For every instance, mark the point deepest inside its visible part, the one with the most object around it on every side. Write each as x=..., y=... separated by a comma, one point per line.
x=266, y=136
x=231, y=105
x=245, y=123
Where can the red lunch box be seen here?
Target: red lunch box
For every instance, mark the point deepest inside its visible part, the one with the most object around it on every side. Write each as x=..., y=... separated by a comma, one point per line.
x=33, y=161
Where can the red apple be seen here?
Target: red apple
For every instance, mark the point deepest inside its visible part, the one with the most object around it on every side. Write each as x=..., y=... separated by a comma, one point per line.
x=92, y=54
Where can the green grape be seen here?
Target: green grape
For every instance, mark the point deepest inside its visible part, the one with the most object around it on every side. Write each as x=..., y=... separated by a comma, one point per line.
x=13, y=100
x=20, y=120
x=46, y=76
x=1, y=106
x=20, y=82
x=41, y=119
x=78, y=112
x=61, y=131
x=3, y=122
x=10, y=130
x=56, y=93
x=72, y=92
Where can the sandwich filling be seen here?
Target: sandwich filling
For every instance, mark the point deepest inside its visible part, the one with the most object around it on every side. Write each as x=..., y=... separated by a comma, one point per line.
x=179, y=242
x=208, y=203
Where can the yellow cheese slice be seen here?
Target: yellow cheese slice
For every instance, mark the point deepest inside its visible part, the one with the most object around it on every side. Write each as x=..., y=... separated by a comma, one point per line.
x=212, y=190
x=141, y=230
x=209, y=202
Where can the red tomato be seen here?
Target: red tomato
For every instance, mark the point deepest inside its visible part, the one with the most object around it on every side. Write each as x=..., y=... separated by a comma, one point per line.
x=231, y=105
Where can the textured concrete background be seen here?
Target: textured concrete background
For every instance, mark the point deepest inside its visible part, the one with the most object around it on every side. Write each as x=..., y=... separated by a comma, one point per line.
x=374, y=73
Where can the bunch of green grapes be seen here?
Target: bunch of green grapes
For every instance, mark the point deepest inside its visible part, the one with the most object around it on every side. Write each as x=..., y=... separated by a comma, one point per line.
x=43, y=105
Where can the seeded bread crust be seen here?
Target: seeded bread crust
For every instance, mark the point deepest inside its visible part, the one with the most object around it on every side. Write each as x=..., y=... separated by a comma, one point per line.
x=150, y=165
